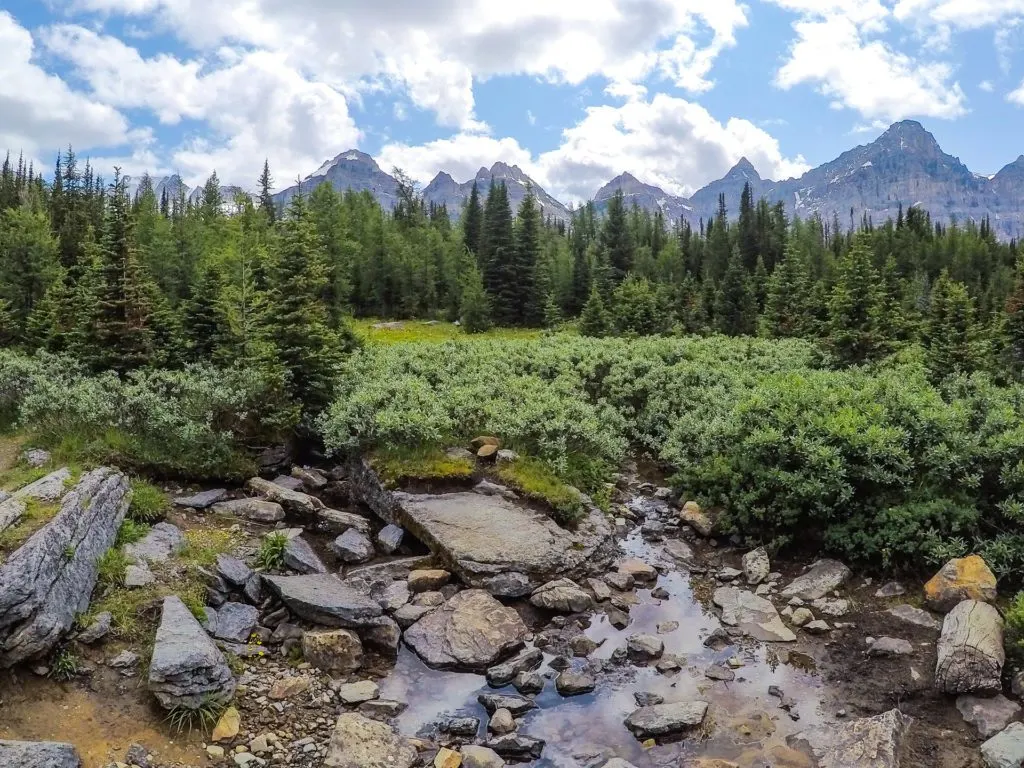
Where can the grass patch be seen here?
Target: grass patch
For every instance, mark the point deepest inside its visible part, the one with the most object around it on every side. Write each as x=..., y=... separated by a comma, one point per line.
x=149, y=503
x=21, y=475
x=37, y=514
x=202, y=546
x=419, y=331
x=397, y=465
x=203, y=718
x=130, y=532
x=271, y=554
x=111, y=568
x=64, y=665
x=537, y=481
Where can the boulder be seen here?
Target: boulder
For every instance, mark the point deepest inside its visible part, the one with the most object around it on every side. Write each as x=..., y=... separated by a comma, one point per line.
x=336, y=651
x=970, y=650
x=517, y=746
x=50, y=488
x=623, y=582
x=823, y=577
x=756, y=565
x=681, y=552
x=662, y=720
x=228, y=726
x=311, y=478
x=408, y=615
x=754, y=615
x=481, y=757
x=1005, y=749
x=389, y=539
x=300, y=557
x=38, y=754
x=871, y=742
x=701, y=521
x=562, y=596
x=36, y=457
x=187, y=670
x=526, y=661
x=570, y=683
x=337, y=522
x=890, y=646
x=289, y=687
x=428, y=580
x=988, y=715
x=890, y=589
x=915, y=616
x=352, y=547
x=395, y=595
x=289, y=482
x=384, y=635
x=201, y=500
x=358, y=692
x=324, y=599
x=963, y=578
x=157, y=546
x=639, y=570
x=48, y=581
x=296, y=502
x=236, y=622
x=136, y=576
x=359, y=742
x=233, y=571
x=472, y=632
x=501, y=722
x=97, y=630
x=517, y=705
x=645, y=647
x=257, y=510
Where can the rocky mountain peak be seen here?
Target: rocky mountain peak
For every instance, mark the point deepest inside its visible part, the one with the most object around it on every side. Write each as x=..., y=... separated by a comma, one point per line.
x=744, y=168
x=349, y=157
x=908, y=136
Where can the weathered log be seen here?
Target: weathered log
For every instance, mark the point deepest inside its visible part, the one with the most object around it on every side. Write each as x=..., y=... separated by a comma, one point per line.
x=49, y=580
x=970, y=650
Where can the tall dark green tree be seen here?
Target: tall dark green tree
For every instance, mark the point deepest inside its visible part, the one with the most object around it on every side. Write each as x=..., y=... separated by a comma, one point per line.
x=473, y=223
x=266, y=201
x=856, y=325
x=956, y=343
x=617, y=246
x=475, y=305
x=595, y=319
x=522, y=290
x=499, y=255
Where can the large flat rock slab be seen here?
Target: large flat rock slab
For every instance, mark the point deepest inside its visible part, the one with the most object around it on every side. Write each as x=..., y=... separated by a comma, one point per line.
x=324, y=599
x=38, y=754
x=753, y=614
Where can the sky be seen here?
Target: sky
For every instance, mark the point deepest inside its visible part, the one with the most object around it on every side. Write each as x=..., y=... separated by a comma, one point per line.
x=575, y=92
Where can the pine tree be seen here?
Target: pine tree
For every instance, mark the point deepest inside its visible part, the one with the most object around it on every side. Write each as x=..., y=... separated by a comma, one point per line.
x=523, y=289
x=635, y=308
x=212, y=203
x=747, y=227
x=595, y=320
x=719, y=248
x=28, y=263
x=787, y=310
x=1014, y=326
x=617, y=246
x=473, y=223
x=203, y=320
x=266, y=182
x=553, y=316
x=954, y=338
x=498, y=262
x=475, y=306
x=735, y=303
x=856, y=327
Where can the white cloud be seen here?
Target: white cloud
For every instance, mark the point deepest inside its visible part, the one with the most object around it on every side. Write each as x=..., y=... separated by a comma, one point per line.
x=461, y=155
x=963, y=14
x=987, y=86
x=530, y=117
x=1017, y=96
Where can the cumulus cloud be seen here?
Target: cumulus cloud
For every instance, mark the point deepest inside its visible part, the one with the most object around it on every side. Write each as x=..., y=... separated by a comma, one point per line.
x=1017, y=96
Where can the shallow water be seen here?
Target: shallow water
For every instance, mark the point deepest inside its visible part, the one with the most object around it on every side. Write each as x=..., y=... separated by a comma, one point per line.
x=744, y=723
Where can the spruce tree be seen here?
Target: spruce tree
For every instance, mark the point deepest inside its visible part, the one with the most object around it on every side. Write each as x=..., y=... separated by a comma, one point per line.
x=1014, y=326
x=595, y=320
x=617, y=246
x=473, y=223
x=553, y=316
x=787, y=310
x=203, y=320
x=266, y=182
x=856, y=327
x=735, y=303
x=475, y=306
x=499, y=255
x=635, y=308
x=953, y=336
x=522, y=289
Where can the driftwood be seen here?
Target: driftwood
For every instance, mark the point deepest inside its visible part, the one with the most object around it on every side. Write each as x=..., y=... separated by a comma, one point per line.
x=970, y=650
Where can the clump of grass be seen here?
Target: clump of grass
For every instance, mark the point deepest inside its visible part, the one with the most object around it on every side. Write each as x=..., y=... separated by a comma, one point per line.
x=395, y=465
x=111, y=567
x=64, y=665
x=149, y=503
x=21, y=475
x=271, y=554
x=537, y=481
x=37, y=514
x=202, y=718
x=204, y=545
x=130, y=532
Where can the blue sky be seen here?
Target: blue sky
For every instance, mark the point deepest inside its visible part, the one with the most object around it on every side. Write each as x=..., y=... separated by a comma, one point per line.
x=674, y=91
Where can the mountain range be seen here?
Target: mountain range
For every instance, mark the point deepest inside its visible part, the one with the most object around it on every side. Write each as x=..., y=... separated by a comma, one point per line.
x=905, y=166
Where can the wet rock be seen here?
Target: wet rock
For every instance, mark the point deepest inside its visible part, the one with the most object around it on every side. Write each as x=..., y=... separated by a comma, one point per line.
x=661, y=720
x=395, y=595
x=646, y=699
x=582, y=646
x=823, y=577
x=970, y=650
x=718, y=672
x=571, y=683
x=1005, y=749
x=233, y=571
x=756, y=565
x=157, y=546
x=915, y=616
x=324, y=599
x=891, y=589
x=562, y=596
x=472, y=631
x=44, y=589
x=640, y=571
x=359, y=742
x=136, y=576
x=718, y=640
x=645, y=647
x=96, y=631
x=667, y=627
x=467, y=727
x=428, y=580
x=681, y=552
x=526, y=661
x=384, y=635
x=617, y=617
x=389, y=539
x=702, y=522
x=501, y=722
x=965, y=578
x=228, y=725
x=299, y=555
x=510, y=584
x=187, y=670
x=754, y=615
x=988, y=715
x=352, y=547
x=38, y=754
x=337, y=522
x=660, y=593
x=600, y=589
x=236, y=622
x=517, y=705
x=383, y=709
x=528, y=683
x=256, y=510
x=481, y=757
x=870, y=741
x=294, y=501
x=890, y=646
x=447, y=758
x=620, y=581
x=357, y=693
x=311, y=478
x=201, y=500
x=408, y=615
x=336, y=651
x=517, y=746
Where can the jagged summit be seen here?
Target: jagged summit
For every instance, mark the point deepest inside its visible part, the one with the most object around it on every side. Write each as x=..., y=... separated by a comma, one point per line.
x=745, y=169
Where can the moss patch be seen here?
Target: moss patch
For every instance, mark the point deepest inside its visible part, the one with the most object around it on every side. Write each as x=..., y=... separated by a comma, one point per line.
x=37, y=514
x=537, y=481
x=396, y=465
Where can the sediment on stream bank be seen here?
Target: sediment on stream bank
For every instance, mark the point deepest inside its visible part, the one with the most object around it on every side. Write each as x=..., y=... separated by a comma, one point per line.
x=357, y=623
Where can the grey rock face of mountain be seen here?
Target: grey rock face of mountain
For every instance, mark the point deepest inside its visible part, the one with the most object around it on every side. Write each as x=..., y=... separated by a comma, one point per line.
x=351, y=170
x=645, y=196
x=173, y=186
x=444, y=189
x=227, y=195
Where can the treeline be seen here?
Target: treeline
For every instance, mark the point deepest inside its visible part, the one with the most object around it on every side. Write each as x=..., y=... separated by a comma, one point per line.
x=125, y=280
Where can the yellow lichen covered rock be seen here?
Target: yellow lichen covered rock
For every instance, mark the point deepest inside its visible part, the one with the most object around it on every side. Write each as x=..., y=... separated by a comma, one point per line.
x=963, y=578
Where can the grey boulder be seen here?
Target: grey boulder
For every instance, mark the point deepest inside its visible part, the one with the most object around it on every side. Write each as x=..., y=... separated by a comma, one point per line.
x=1005, y=749
x=389, y=539
x=562, y=596
x=236, y=622
x=526, y=661
x=352, y=547
x=661, y=720
x=157, y=546
x=299, y=556
x=988, y=715
x=869, y=741
x=753, y=614
x=324, y=599
x=201, y=500
x=256, y=510
x=38, y=754
x=756, y=566
x=359, y=742
x=822, y=577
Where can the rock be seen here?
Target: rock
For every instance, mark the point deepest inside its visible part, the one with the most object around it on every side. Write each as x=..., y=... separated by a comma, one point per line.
x=647, y=699
x=517, y=746
x=447, y=758
x=136, y=576
x=872, y=742
x=157, y=546
x=754, y=615
x=571, y=683
x=890, y=646
x=729, y=574
x=822, y=577
x=253, y=589
x=227, y=726
x=311, y=478
x=429, y=599
x=353, y=547
x=834, y=608
x=384, y=635
x=357, y=693
x=336, y=651
x=187, y=670
x=383, y=709
x=428, y=580
x=526, y=661
x=645, y=647
x=600, y=589
x=891, y=589
x=562, y=596
x=124, y=660
x=299, y=556
x=965, y=578
x=988, y=715
x=756, y=565
x=288, y=482
x=257, y=510
x=680, y=551
x=324, y=599
x=289, y=687
x=661, y=720
x=395, y=595
x=667, y=627
x=816, y=627
x=293, y=501
x=528, y=683
x=517, y=705
x=915, y=616
x=389, y=539
x=800, y=617
x=359, y=742
x=337, y=522
x=36, y=457
x=472, y=632
x=621, y=581
x=214, y=752
x=501, y=722
x=49, y=489
x=97, y=630
x=481, y=757
x=696, y=518
x=233, y=571
x=718, y=672
x=1004, y=750
x=970, y=650
x=201, y=500
x=582, y=646
x=236, y=622
x=38, y=754
x=408, y=615
x=44, y=589
x=460, y=726
x=640, y=571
